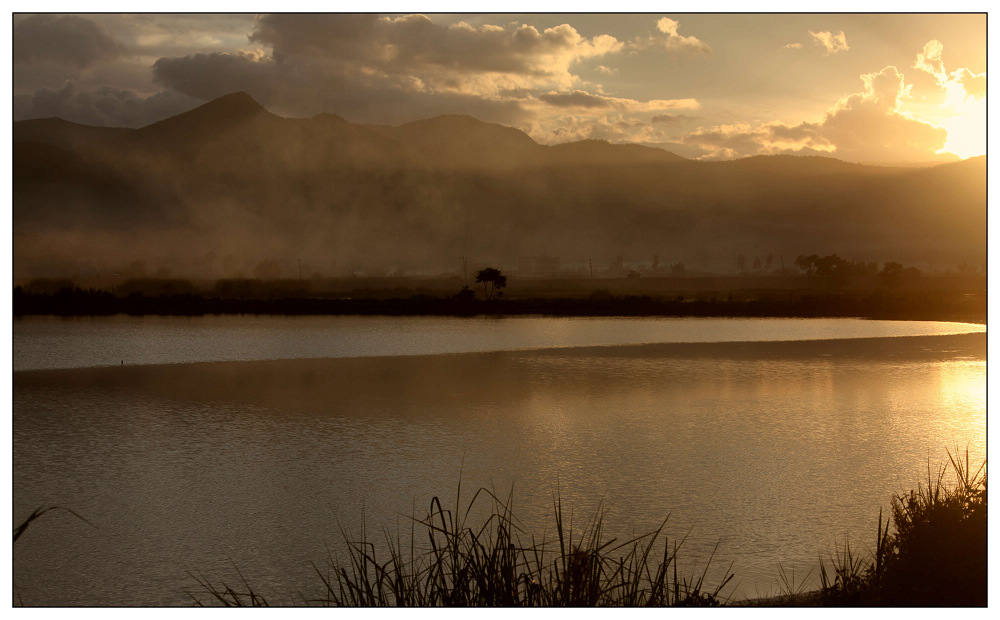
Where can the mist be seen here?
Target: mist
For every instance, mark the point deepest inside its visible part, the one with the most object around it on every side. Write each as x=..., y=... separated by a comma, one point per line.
x=231, y=190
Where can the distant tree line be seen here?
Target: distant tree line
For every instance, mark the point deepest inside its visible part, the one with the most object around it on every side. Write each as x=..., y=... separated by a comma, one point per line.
x=884, y=304
x=835, y=267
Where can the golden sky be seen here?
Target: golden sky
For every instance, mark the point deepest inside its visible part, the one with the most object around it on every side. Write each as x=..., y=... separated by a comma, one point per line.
x=859, y=87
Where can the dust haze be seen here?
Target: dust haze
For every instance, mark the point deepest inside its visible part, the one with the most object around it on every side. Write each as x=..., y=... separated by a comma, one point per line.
x=230, y=190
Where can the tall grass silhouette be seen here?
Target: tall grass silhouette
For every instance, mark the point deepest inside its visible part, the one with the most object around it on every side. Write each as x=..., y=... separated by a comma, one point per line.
x=931, y=551
x=936, y=554
x=449, y=561
x=497, y=564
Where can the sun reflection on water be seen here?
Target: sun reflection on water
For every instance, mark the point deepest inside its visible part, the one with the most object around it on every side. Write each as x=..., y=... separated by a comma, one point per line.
x=963, y=400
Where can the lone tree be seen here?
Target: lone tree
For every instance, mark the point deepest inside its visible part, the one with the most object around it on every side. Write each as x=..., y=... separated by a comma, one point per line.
x=492, y=280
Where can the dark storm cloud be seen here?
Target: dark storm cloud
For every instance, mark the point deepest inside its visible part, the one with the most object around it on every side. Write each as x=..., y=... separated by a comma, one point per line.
x=207, y=76
x=350, y=37
x=379, y=69
x=414, y=42
x=105, y=106
x=67, y=39
x=296, y=88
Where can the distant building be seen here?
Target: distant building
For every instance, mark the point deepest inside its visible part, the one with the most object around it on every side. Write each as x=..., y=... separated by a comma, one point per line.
x=537, y=266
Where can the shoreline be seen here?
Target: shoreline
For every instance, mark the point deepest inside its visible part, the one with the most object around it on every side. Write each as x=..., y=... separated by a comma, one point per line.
x=904, y=348
x=929, y=305
x=294, y=377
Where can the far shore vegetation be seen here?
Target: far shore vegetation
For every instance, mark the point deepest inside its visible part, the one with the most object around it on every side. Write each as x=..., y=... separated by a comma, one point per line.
x=826, y=287
x=929, y=551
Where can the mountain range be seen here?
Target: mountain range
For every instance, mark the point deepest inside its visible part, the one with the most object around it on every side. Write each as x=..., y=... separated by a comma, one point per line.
x=219, y=189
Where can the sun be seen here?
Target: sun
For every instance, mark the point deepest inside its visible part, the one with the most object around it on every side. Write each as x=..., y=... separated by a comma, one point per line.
x=966, y=127
x=963, y=116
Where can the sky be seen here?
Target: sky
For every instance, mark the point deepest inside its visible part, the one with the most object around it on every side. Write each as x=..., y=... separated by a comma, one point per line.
x=871, y=88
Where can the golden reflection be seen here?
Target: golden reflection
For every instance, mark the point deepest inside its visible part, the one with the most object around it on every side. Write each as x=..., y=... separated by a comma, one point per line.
x=962, y=390
x=963, y=385
x=963, y=395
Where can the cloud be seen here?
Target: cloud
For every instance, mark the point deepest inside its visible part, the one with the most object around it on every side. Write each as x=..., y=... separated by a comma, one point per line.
x=577, y=98
x=930, y=60
x=867, y=126
x=676, y=41
x=673, y=40
x=582, y=99
x=870, y=126
x=302, y=88
x=671, y=119
x=67, y=40
x=962, y=83
x=152, y=36
x=833, y=43
x=792, y=46
x=442, y=56
x=106, y=106
x=743, y=139
x=207, y=76
x=562, y=117
x=368, y=67
x=972, y=83
x=962, y=109
x=572, y=128
x=379, y=69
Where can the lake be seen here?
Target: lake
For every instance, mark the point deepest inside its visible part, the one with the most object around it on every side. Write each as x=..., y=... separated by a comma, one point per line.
x=249, y=442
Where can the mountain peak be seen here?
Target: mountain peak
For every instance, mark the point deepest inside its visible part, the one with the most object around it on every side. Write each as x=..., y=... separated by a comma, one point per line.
x=238, y=101
x=218, y=114
x=233, y=105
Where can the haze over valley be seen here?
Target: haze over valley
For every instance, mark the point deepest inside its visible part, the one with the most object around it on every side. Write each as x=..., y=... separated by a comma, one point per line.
x=230, y=189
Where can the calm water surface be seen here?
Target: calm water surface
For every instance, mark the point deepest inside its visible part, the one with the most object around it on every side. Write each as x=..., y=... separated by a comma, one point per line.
x=53, y=342
x=774, y=452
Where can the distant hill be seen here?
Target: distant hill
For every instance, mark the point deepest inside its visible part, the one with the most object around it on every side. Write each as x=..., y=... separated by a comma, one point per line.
x=219, y=189
x=58, y=132
x=602, y=153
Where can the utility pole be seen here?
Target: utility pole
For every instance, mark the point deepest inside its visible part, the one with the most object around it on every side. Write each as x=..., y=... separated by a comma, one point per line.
x=300, y=269
x=465, y=267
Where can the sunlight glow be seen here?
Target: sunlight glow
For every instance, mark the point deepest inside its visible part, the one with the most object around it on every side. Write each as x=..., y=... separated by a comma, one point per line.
x=966, y=128
x=963, y=406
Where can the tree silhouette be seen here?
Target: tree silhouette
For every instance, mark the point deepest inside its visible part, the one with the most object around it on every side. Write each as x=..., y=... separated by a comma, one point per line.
x=466, y=294
x=492, y=280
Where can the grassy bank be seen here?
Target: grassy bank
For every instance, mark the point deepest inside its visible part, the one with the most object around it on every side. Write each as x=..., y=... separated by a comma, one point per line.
x=930, y=551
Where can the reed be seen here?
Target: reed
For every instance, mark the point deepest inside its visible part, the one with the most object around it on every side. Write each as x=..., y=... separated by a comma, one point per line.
x=496, y=564
x=226, y=595
x=936, y=554
x=38, y=512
